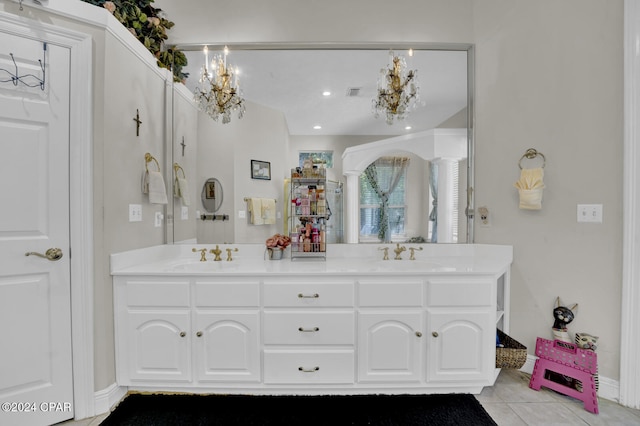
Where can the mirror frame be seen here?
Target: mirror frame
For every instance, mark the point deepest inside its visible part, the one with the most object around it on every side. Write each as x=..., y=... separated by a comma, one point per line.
x=469, y=48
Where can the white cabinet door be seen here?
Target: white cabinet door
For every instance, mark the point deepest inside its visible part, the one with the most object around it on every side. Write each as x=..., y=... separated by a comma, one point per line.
x=227, y=346
x=390, y=346
x=459, y=344
x=158, y=346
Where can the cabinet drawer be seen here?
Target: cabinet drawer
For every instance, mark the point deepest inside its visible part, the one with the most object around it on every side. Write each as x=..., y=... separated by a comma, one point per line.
x=390, y=293
x=157, y=293
x=221, y=294
x=309, y=367
x=460, y=293
x=309, y=328
x=308, y=294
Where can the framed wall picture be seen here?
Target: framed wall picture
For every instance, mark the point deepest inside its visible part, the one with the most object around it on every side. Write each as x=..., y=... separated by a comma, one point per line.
x=260, y=170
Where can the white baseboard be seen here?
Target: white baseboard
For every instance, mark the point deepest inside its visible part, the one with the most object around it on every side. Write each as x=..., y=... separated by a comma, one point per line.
x=106, y=399
x=608, y=388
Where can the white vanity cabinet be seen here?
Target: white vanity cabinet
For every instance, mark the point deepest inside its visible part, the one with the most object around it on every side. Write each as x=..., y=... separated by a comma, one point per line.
x=170, y=325
x=309, y=331
x=340, y=326
x=390, y=331
x=461, y=321
x=153, y=326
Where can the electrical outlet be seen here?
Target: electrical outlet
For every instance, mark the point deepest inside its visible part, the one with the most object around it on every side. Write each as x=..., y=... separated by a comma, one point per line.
x=135, y=213
x=483, y=214
x=590, y=213
x=242, y=214
x=184, y=213
x=159, y=218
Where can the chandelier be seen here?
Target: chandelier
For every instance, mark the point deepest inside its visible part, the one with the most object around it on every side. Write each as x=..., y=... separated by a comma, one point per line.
x=397, y=90
x=218, y=92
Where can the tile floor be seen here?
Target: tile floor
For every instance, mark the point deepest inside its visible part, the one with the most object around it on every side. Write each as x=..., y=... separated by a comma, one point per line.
x=511, y=403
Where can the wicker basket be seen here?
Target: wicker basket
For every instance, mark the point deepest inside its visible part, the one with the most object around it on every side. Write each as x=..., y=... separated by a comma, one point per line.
x=513, y=355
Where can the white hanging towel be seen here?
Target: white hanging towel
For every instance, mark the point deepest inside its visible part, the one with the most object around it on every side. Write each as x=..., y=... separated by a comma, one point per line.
x=182, y=190
x=255, y=210
x=530, y=186
x=157, y=190
x=269, y=211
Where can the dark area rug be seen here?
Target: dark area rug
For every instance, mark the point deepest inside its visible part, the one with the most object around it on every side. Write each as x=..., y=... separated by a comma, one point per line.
x=374, y=410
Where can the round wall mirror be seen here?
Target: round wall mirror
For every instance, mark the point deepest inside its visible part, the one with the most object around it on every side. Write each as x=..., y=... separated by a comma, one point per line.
x=211, y=195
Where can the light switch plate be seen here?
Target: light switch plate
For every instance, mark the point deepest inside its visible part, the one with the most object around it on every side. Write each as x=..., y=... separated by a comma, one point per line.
x=159, y=217
x=135, y=213
x=184, y=213
x=590, y=213
x=242, y=214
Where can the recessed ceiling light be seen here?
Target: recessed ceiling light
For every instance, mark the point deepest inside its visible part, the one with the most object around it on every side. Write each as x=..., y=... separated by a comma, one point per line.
x=317, y=127
x=326, y=93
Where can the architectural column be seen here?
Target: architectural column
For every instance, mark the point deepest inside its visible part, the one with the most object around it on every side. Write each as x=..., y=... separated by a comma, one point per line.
x=352, y=208
x=447, y=199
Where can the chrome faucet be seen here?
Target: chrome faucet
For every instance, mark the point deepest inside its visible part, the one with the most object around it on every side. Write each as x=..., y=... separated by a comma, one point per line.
x=203, y=253
x=216, y=252
x=398, y=250
x=412, y=251
x=386, y=252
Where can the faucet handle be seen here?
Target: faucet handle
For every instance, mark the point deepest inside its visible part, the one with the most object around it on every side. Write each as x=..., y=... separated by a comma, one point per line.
x=203, y=253
x=386, y=252
x=412, y=250
x=229, y=259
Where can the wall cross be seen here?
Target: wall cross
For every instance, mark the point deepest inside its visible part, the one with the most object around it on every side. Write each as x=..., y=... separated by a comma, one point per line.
x=184, y=145
x=138, y=122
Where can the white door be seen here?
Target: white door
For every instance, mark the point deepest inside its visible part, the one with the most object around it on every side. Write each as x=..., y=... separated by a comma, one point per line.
x=35, y=314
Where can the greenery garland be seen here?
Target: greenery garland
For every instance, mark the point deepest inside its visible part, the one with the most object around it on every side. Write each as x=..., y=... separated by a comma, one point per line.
x=148, y=25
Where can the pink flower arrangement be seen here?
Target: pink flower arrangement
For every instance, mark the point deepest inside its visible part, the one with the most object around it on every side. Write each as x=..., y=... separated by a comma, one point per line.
x=278, y=241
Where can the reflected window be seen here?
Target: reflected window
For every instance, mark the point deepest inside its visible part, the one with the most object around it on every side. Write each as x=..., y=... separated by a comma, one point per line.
x=372, y=227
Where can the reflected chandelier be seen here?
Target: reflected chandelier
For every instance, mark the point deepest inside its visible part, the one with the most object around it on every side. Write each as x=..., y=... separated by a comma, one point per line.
x=397, y=90
x=218, y=92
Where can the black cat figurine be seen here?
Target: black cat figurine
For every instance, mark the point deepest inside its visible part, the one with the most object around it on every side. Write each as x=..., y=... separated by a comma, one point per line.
x=563, y=315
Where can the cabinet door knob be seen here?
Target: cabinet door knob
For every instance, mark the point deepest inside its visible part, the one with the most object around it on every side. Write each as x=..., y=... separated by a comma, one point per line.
x=199, y=334
x=308, y=296
x=434, y=334
x=182, y=334
x=419, y=334
x=308, y=330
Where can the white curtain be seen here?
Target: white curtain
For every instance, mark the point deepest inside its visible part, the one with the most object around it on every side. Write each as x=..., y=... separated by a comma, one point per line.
x=385, y=186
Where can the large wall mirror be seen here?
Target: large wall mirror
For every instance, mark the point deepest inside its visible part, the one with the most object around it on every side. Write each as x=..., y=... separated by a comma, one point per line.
x=319, y=98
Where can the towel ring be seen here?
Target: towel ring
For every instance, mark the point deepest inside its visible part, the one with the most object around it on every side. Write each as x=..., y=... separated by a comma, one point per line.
x=177, y=167
x=530, y=154
x=147, y=159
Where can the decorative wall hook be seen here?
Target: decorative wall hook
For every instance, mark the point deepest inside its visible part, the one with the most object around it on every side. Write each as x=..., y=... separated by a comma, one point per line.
x=16, y=78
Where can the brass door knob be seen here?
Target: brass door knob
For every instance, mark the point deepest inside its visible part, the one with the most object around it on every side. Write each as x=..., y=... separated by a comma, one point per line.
x=52, y=254
x=419, y=334
x=199, y=334
x=434, y=334
x=182, y=334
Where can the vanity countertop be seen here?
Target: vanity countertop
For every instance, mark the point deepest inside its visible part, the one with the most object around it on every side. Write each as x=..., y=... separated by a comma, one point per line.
x=342, y=259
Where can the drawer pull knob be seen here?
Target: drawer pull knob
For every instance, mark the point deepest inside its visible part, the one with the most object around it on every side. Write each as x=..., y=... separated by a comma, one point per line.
x=306, y=296
x=182, y=334
x=434, y=334
x=308, y=330
x=308, y=370
x=419, y=334
x=199, y=334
